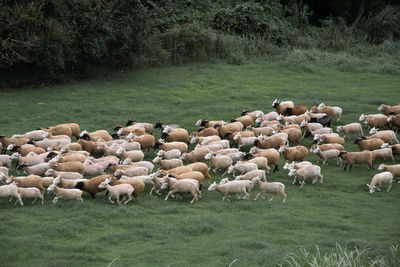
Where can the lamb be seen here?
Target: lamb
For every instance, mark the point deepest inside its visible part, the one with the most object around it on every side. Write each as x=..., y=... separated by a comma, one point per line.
x=267, y=131
x=273, y=187
x=70, y=157
x=145, y=125
x=94, y=136
x=308, y=171
x=182, y=186
x=379, y=179
x=230, y=127
x=327, y=132
x=387, y=136
x=38, y=169
x=295, y=165
x=28, y=181
x=254, y=114
x=30, y=192
x=297, y=153
x=382, y=153
x=294, y=119
x=65, y=193
x=92, y=186
x=350, y=128
x=67, y=183
x=172, y=154
x=30, y=160
x=117, y=190
x=177, y=170
x=8, y=141
x=134, y=155
x=244, y=141
x=252, y=174
x=357, y=157
x=247, y=183
x=175, y=135
x=196, y=175
x=201, y=139
x=108, y=150
x=245, y=120
x=135, y=171
x=11, y=190
x=196, y=155
x=219, y=162
x=103, y=159
x=136, y=183
x=294, y=134
x=168, y=163
x=331, y=140
x=325, y=147
x=261, y=162
x=72, y=166
x=368, y=144
x=200, y=167
x=65, y=175
x=5, y=160
x=223, y=143
x=182, y=147
x=229, y=188
x=270, y=116
x=297, y=110
x=332, y=111
x=58, y=130
x=377, y=121
x=157, y=183
x=49, y=143
x=270, y=142
x=25, y=149
x=212, y=147
x=394, y=169
x=207, y=124
x=32, y=135
x=204, y=132
x=242, y=168
x=146, y=164
x=90, y=147
x=388, y=110
x=231, y=135
x=327, y=154
x=272, y=155
x=282, y=106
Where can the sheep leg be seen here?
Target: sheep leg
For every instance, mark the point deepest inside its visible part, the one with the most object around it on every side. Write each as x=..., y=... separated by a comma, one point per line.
x=194, y=194
x=118, y=201
x=276, y=168
x=324, y=162
x=345, y=166
x=351, y=165
x=224, y=174
x=10, y=198
x=129, y=198
x=371, y=167
x=33, y=202
x=315, y=179
x=238, y=196
x=110, y=198
x=42, y=200
x=259, y=194
x=284, y=196
x=295, y=178
x=273, y=195
x=151, y=191
x=169, y=193
x=215, y=170
x=389, y=187
x=55, y=200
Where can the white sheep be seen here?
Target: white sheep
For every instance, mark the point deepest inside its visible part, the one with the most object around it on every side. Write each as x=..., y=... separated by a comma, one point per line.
x=38, y=169
x=134, y=155
x=11, y=190
x=350, y=128
x=167, y=164
x=5, y=160
x=272, y=187
x=320, y=136
x=244, y=141
x=219, y=162
x=135, y=171
x=181, y=186
x=32, y=135
x=252, y=174
x=379, y=179
x=248, y=184
x=229, y=188
x=65, y=193
x=387, y=135
x=30, y=192
x=65, y=175
x=117, y=190
x=309, y=171
x=295, y=165
x=171, y=154
x=327, y=154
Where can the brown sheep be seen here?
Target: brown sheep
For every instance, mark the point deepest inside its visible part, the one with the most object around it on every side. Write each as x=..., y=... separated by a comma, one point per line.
x=331, y=140
x=208, y=124
x=380, y=121
x=270, y=142
x=368, y=144
x=272, y=155
x=26, y=149
x=246, y=120
x=204, y=132
x=136, y=183
x=296, y=153
x=146, y=141
x=201, y=167
x=196, y=175
x=297, y=110
x=90, y=147
x=388, y=110
x=181, y=146
x=5, y=142
x=72, y=166
x=357, y=157
x=92, y=186
x=294, y=134
x=325, y=147
x=94, y=136
x=230, y=127
x=176, y=135
x=282, y=106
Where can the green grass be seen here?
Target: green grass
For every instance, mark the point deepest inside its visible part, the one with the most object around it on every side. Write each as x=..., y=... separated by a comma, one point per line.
x=151, y=231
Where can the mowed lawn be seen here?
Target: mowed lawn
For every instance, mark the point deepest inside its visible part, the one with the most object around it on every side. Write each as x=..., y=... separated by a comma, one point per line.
x=152, y=232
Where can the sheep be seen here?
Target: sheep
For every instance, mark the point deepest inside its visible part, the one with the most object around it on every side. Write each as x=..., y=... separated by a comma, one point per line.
x=177, y=170
x=388, y=110
x=387, y=136
x=196, y=175
x=332, y=111
x=295, y=165
x=270, y=116
x=57, y=130
x=65, y=193
x=146, y=164
x=273, y=187
x=224, y=143
x=377, y=121
x=394, y=169
x=65, y=175
x=4, y=171
x=382, y=153
x=368, y=144
x=395, y=148
x=235, y=156
x=200, y=167
x=310, y=126
x=135, y=171
x=94, y=136
x=297, y=153
x=25, y=149
x=246, y=120
x=270, y=142
x=273, y=124
x=182, y=147
x=168, y=163
x=247, y=183
x=27, y=181
x=182, y=186
x=90, y=147
x=379, y=179
x=171, y=154
x=72, y=166
x=146, y=125
x=32, y=135
x=157, y=183
x=231, y=135
x=315, y=115
x=219, y=162
x=70, y=157
x=294, y=119
x=242, y=168
x=5, y=142
x=134, y=155
x=327, y=154
x=308, y=171
x=357, y=157
x=244, y=141
x=30, y=192
x=176, y=135
x=321, y=131
x=212, y=147
x=49, y=143
x=5, y=160
x=331, y=140
x=267, y=131
x=208, y=124
x=146, y=179
x=196, y=155
x=394, y=120
x=203, y=132
x=230, y=127
x=47, y=181
x=350, y=128
x=327, y=135
x=252, y=174
x=108, y=150
x=325, y=147
x=201, y=139
x=136, y=183
x=38, y=169
x=67, y=183
x=92, y=186
x=272, y=155
x=254, y=114
x=325, y=120
x=282, y=106
x=102, y=159
x=75, y=129
x=297, y=110
x=229, y=188
x=117, y=190
x=30, y=160
x=126, y=131
x=11, y=190
x=261, y=162
x=294, y=134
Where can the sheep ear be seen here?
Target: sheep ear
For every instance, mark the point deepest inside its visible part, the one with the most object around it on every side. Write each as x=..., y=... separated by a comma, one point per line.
x=368, y=185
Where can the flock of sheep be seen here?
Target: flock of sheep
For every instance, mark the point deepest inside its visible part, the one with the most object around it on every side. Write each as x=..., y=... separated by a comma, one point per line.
x=50, y=160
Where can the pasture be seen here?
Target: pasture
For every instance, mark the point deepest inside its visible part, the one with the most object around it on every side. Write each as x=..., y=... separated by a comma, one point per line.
x=152, y=232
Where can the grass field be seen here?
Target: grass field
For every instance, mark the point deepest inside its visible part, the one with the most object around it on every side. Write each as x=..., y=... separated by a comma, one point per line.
x=154, y=232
